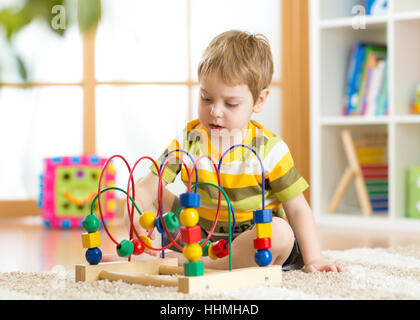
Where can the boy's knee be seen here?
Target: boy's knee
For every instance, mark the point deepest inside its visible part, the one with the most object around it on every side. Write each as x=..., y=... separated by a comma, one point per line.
x=283, y=236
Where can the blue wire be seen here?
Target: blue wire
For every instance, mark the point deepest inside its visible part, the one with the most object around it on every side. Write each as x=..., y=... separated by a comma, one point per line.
x=189, y=155
x=259, y=159
x=262, y=173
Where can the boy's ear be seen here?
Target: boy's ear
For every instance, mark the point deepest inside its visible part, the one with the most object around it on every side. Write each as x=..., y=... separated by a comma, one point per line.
x=259, y=105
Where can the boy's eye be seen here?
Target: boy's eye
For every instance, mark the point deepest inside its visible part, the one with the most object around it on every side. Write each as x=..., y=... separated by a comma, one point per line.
x=205, y=99
x=232, y=104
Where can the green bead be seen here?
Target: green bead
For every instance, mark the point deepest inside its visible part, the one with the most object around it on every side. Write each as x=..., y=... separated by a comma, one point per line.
x=91, y=223
x=194, y=269
x=171, y=221
x=126, y=249
x=206, y=247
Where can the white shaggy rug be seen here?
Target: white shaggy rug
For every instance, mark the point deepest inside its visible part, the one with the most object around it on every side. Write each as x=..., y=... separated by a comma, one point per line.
x=392, y=273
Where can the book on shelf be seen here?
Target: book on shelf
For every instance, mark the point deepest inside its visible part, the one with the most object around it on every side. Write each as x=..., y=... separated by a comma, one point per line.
x=366, y=85
x=376, y=7
x=371, y=152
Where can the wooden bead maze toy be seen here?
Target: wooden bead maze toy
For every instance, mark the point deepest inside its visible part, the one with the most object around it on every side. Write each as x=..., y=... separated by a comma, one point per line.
x=192, y=277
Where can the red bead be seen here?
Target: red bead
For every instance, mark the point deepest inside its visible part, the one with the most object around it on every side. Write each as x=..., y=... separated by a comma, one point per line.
x=138, y=246
x=190, y=235
x=262, y=243
x=219, y=250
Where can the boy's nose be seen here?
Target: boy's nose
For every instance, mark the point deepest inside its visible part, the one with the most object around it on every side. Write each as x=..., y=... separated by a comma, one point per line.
x=216, y=110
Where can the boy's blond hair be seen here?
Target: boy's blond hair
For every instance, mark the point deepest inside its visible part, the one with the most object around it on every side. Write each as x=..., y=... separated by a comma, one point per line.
x=240, y=58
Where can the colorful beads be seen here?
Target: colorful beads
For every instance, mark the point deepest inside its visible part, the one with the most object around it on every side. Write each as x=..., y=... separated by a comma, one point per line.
x=189, y=217
x=189, y=200
x=211, y=253
x=205, y=247
x=91, y=223
x=91, y=240
x=263, y=216
x=159, y=225
x=93, y=255
x=171, y=221
x=193, y=269
x=125, y=249
x=146, y=240
x=263, y=257
x=139, y=247
x=190, y=235
x=262, y=243
x=192, y=252
x=148, y=220
x=264, y=229
x=220, y=248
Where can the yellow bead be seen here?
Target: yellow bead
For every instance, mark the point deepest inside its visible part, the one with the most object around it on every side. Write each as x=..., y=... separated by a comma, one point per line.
x=192, y=252
x=91, y=240
x=111, y=169
x=188, y=217
x=112, y=204
x=264, y=230
x=146, y=240
x=148, y=220
x=211, y=253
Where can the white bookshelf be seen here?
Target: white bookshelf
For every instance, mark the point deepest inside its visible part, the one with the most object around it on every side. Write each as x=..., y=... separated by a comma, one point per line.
x=331, y=38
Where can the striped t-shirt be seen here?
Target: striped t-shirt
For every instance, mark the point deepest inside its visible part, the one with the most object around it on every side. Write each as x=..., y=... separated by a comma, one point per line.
x=240, y=172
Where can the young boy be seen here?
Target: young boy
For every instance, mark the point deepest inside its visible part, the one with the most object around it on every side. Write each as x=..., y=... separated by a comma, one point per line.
x=234, y=75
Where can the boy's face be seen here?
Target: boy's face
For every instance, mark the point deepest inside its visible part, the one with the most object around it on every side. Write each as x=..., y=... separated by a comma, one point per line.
x=226, y=107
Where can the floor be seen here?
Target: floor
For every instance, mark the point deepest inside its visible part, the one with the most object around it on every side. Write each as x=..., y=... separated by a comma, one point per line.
x=26, y=245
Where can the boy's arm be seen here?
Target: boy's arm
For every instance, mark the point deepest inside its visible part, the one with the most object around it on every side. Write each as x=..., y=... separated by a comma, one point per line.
x=303, y=224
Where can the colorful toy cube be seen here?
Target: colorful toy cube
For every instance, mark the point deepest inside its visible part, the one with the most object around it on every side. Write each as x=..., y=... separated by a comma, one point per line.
x=68, y=187
x=91, y=240
x=190, y=235
x=413, y=192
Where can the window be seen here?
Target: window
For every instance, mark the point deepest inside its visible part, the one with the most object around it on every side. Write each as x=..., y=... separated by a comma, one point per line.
x=103, y=92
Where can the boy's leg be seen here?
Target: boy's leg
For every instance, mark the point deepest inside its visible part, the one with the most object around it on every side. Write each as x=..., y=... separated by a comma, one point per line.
x=243, y=247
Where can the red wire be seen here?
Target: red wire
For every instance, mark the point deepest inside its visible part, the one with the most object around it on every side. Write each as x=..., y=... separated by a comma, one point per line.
x=160, y=195
x=131, y=214
x=160, y=191
x=99, y=194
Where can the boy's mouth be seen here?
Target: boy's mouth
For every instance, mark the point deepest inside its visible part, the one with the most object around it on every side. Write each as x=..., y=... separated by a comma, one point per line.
x=215, y=127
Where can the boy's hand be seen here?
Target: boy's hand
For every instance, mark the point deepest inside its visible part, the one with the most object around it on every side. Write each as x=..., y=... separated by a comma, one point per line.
x=322, y=266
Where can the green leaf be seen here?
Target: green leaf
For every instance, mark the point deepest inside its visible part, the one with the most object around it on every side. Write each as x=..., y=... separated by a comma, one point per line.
x=13, y=20
x=89, y=14
x=21, y=68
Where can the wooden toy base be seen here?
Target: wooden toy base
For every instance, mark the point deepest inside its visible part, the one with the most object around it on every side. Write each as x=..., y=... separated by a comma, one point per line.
x=148, y=272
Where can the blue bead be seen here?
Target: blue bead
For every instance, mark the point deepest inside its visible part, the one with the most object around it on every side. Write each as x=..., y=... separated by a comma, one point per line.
x=94, y=159
x=159, y=226
x=56, y=159
x=263, y=216
x=75, y=160
x=65, y=224
x=190, y=200
x=263, y=257
x=47, y=223
x=93, y=255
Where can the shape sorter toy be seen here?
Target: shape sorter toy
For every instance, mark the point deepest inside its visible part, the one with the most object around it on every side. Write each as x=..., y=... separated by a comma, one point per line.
x=413, y=192
x=68, y=186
